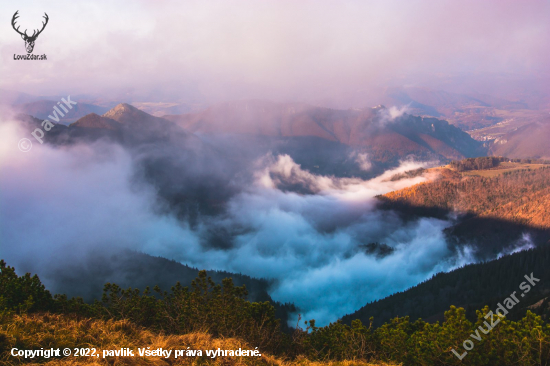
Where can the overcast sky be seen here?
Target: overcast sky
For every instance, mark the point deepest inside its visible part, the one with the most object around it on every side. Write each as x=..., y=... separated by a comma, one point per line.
x=298, y=50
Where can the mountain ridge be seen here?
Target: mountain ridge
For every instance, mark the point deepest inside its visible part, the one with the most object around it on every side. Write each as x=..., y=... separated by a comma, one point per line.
x=527, y=141
x=374, y=129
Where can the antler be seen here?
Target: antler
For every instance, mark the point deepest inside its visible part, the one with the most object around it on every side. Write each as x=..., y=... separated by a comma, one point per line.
x=34, y=34
x=43, y=25
x=15, y=16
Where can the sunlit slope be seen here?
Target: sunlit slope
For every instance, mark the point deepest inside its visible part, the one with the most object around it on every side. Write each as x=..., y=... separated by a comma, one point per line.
x=519, y=193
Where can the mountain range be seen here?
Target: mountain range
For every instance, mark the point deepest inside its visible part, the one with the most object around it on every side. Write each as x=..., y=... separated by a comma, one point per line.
x=375, y=130
x=493, y=213
x=386, y=139
x=505, y=125
x=43, y=108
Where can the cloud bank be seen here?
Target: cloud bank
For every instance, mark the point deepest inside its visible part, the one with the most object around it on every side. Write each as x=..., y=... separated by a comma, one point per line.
x=59, y=203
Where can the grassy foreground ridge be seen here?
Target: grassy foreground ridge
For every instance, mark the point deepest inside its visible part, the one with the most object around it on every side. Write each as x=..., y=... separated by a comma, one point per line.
x=209, y=316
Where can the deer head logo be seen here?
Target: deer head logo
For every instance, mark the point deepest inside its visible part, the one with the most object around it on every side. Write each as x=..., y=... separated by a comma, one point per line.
x=29, y=40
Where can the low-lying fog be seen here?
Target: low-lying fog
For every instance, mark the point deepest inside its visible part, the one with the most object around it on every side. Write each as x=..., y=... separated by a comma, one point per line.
x=58, y=203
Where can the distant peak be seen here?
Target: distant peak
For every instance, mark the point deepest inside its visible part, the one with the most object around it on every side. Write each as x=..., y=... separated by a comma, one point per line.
x=123, y=107
x=120, y=110
x=125, y=113
x=93, y=120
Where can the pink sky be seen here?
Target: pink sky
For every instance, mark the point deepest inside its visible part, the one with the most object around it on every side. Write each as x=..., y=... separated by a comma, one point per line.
x=299, y=50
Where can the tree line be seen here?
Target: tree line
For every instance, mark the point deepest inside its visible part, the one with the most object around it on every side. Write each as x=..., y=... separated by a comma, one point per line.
x=472, y=286
x=486, y=162
x=222, y=310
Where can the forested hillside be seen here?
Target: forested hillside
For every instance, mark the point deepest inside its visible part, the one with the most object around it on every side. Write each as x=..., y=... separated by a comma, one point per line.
x=492, y=215
x=521, y=196
x=128, y=268
x=471, y=287
x=207, y=315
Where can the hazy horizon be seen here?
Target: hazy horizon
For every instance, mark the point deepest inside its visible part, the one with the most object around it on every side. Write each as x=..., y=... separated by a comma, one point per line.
x=318, y=52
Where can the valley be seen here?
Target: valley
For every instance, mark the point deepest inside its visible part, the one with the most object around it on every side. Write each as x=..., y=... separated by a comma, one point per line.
x=302, y=153
x=318, y=183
